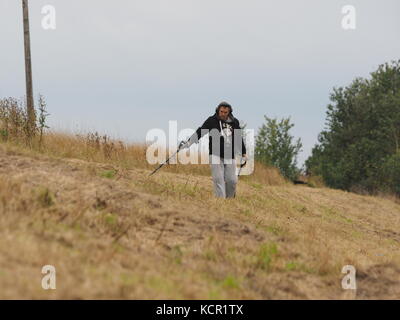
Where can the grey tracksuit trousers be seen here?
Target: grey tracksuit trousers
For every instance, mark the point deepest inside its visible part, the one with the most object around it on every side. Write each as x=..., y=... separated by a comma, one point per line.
x=224, y=176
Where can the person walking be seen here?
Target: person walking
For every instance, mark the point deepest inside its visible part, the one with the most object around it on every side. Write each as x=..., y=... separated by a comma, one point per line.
x=225, y=142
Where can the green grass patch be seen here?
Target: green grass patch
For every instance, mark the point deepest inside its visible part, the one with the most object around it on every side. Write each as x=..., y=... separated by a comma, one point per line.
x=333, y=214
x=177, y=254
x=274, y=229
x=292, y=265
x=255, y=185
x=109, y=174
x=231, y=282
x=110, y=221
x=214, y=294
x=265, y=255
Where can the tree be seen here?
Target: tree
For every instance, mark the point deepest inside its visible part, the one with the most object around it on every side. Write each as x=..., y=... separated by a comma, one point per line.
x=275, y=146
x=358, y=147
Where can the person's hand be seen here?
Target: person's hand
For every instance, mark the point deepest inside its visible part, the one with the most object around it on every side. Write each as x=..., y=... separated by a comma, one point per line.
x=183, y=145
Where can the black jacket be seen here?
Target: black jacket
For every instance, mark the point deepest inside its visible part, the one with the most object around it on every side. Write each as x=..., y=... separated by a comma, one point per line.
x=225, y=145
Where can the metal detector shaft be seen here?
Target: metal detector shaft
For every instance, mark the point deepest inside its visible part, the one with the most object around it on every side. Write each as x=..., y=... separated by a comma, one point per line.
x=165, y=162
x=240, y=169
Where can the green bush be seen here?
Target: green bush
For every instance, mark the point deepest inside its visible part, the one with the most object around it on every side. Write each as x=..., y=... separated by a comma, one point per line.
x=275, y=147
x=358, y=150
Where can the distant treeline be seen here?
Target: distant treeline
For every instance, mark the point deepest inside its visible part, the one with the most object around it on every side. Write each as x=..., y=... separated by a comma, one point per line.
x=359, y=150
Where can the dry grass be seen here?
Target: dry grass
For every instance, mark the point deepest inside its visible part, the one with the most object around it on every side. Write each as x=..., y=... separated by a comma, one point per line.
x=112, y=231
x=102, y=149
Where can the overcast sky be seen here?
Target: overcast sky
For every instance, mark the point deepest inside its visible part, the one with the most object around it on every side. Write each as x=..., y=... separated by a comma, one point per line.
x=124, y=67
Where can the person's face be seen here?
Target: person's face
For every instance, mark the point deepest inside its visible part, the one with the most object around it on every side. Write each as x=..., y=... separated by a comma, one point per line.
x=223, y=113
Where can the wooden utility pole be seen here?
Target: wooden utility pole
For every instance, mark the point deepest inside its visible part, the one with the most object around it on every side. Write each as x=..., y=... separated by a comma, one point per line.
x=28, y=68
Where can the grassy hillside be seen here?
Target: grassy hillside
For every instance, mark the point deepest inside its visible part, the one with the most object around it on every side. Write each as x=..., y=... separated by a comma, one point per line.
x=90, y=209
